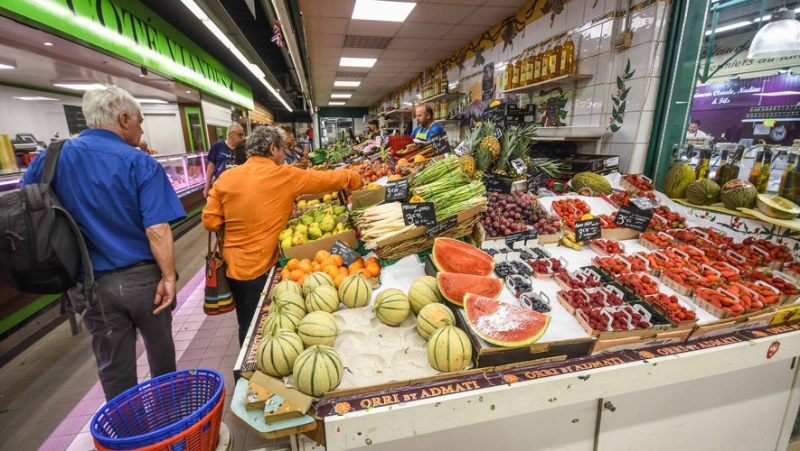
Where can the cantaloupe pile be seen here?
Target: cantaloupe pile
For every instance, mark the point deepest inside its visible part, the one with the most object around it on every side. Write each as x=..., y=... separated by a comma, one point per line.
x=332, y=265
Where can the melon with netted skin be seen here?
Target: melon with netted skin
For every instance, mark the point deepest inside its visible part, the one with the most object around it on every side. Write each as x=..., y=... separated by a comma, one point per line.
x=317, y=370
x=424, y=290
x=449, y=349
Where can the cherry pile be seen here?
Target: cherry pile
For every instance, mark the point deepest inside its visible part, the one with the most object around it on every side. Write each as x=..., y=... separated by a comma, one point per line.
x=548, y=226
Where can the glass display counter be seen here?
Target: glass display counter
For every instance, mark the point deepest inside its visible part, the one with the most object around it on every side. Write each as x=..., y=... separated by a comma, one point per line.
x=186, y=172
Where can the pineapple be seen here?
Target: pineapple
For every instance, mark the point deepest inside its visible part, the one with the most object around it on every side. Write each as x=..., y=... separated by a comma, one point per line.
x=483, y=158
x=490, y=141
x=509, y=145
x=467, y=161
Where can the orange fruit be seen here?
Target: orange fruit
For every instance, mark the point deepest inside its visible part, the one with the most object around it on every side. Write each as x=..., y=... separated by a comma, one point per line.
x=373, y=269
x=360, y=261
x=372, y=260
x=316, y=267
x=344, y=271
x=337, y=260
x=305, y=266
x=302, y=279
x=297, y=274
x=338, y=279
x=321, y=255
x=285, y=274
x=293, y=264
x=364, y=272
x=353, y=268
x=331, y=270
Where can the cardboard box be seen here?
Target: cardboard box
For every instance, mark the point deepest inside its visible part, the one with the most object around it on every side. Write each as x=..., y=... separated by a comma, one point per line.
x=619, y=234
x=420, y=231
x=610, y=343
x=364, y=198
x=283, y=403
x=753, y=320
x=310, y=249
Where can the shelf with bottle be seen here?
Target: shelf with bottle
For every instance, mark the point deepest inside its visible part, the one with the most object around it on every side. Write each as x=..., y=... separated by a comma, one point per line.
x=445, y=96
x=561, y=80
x=398, y=111
x=569, y=133
x=554, y=65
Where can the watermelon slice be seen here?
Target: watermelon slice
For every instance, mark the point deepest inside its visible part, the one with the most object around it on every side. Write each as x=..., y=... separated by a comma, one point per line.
x=451, y=255
x=504, y=324
x=454, y=286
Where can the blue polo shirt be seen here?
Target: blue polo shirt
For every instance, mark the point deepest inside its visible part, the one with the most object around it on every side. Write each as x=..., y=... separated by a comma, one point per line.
x=425, y=134
x=222, y=157
x=114, y=192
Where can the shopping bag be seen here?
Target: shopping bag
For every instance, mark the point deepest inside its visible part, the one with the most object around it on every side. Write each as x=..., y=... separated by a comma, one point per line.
x=218, y=297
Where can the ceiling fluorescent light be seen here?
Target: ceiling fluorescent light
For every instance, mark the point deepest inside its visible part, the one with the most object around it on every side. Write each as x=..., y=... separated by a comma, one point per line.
x=353, y=84
x=34, y=98
x=8, y=64
x=357, y=62
x=341, y=96
x=253, y=68
x=730, y=27
x=336, y=103
x=151, y=101
x=81, y=86
x=382, y=10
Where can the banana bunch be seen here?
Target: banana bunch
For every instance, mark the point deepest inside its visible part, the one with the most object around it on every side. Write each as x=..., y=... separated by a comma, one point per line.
x=568, y=239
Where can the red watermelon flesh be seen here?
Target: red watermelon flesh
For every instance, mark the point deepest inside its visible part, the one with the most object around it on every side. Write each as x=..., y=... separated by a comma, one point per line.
x=504, y=324
x=451, y=255
x=454, y=286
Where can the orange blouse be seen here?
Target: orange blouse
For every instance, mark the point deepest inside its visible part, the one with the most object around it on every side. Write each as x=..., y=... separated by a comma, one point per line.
x=254, y=202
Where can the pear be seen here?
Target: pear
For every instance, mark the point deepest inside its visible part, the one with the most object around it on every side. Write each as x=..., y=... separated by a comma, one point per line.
x=286, y=243
x=313, y=202
x=314, y=233
x=306, y=220
x=335, y=195
x=339, y=227
x=309, y=212
x=286, y=234
x=339, y=210
x=301, y=204
x=319, y=217
x=301, y=229
x=327, y=224
x=327, y=198
x=326, y=235
x=299, y=239
x=313, y=224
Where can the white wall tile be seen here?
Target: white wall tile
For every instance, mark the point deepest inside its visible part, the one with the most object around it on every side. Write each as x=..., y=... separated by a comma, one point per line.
x=601, y=99
x=592, y=9
x=636, y=96
x=642, y=24
x=637, y=159
x=602, y=73
x=662, y=22
x=574, y=14
x=645, y=127
x=581, y=121
x=612, y=5
x=559, y=23
x=584, y=98
x=640, y=59
x=588, y=66
x=628, y=129
x=658, y=58
x=652, y=94
x=607, y=36
x=590, y=42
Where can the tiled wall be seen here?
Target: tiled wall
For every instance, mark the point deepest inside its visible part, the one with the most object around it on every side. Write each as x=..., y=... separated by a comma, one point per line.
x=593, y=36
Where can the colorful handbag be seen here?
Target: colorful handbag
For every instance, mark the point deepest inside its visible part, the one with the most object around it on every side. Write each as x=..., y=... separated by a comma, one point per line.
x=218, y=298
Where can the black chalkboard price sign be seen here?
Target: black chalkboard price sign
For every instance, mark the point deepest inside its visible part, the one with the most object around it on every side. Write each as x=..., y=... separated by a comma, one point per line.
x=348, y=255
x=396, y=190
x=495, y=115
x=497, y=183
x=441, y=145
x=587, y=230
x=525, y=235
x=644, y=203
x=419, y=214
x=633, y=218
x=441, y=227
x=535, y=181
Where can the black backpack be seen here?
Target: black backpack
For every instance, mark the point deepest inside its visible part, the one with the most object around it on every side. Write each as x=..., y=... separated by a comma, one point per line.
x=42, y=249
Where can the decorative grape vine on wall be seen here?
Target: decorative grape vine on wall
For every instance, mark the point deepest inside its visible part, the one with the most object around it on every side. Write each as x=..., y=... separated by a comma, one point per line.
x=619, y=99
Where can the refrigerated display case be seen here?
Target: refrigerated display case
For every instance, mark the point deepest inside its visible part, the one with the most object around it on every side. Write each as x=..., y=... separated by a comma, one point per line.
x=187, y=173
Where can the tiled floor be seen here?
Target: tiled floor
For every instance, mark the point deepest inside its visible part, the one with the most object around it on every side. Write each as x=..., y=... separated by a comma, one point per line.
x=49, y=392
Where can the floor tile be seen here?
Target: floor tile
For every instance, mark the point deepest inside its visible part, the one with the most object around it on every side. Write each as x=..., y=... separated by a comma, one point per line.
x=200, y=343
x=193, y=354
x=188, y=364
x=210, y=363
x=82, y=442
x=215, y=351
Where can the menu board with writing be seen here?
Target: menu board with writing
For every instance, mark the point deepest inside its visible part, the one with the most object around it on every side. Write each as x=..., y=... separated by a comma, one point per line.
x=587, y=230
x=633, y=218
x=497, y=183
x=396, y=190
x=76, y=121
x=348, y=255
x=644, y=203
x=487, y=93
x=419, y=214
x=536, y=181
x=441, y=145
x=495, y=115
x=525, y=235
x=441, y=227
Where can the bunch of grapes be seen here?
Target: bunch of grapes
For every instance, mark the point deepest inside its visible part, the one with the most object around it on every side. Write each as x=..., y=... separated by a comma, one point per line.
x=510, y=213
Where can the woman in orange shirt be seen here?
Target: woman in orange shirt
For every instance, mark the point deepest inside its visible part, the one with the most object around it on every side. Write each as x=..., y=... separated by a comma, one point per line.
x=253, y=202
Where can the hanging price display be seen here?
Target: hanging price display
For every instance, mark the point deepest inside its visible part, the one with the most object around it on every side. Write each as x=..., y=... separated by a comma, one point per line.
x=396, y=190
x=420, y=214
x=497, y=183
x=441, y=145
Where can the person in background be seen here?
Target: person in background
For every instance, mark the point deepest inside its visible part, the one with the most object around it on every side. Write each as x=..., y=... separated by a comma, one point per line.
x=426, y=129
x=220, y=156
x=253, y=202
x=374, y=130
x=292, y=151
x=310, y=137
x=143, y=147
x=694, y=130
x=240, y=154
x=123, y=204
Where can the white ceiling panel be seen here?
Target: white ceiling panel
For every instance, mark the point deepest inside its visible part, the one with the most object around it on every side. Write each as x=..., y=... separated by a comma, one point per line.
x=434, y=30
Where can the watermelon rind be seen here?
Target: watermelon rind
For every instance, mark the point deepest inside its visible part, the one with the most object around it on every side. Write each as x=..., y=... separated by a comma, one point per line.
x=471, y=302
x=488, y=286
x=455, y=256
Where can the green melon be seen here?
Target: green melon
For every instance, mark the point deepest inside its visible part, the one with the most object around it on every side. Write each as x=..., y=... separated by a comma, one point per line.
x=596, y=182
x=291, y=301
x=322, y=298
x=278, y=351
x=317, y=370
x=449, y=349
x=281, y=317
x=433, y=317
x=316, y=279
x=738, y=194
x=318, y=328
x=391, y=307
x=355, y=291
x=702, y=192
x=424, y=291
x=677, y=179
x=287, y=286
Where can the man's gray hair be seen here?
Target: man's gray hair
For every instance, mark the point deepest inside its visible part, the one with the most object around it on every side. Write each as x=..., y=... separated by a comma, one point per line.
x=102, y=107
x=260, y=140
x=233, y=128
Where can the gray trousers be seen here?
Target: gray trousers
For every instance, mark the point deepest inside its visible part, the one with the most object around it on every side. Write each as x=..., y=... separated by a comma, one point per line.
x=126, y=298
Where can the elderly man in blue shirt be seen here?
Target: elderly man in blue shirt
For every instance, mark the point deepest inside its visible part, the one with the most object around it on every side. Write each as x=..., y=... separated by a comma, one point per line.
x=123, y=203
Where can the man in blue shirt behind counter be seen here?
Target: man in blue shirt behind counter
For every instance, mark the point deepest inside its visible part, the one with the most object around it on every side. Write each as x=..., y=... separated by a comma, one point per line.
x=123, y=203
x=426, y=129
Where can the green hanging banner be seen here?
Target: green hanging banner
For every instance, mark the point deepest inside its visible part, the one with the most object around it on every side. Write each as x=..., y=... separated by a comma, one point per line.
x=131, y=31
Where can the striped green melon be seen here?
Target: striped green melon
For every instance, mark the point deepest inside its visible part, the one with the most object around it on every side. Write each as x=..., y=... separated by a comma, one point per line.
x=432, y=317
x=278, y=351
x=391, y=307
x=287, y=286
x=318, y=328
x=449, y=349
x=281, y=317
x=322, y=298
x=355, y=291
x=292, y=301
x=317, y=370
x=677, y=179
x=316, y=279
x=424, y=291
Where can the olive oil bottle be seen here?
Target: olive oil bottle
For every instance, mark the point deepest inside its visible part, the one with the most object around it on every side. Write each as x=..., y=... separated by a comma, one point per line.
x=517, y=74
x=523, y=74
x=704, y=161
x=723, y=160
x=567, y=58
x=763, y=177
x=555, y=61
x=509, y=75
x=531, y=64
x=733, y=167
x=791, y=189
x=755, y=173
x=791, y=161
x=537, y=67
x=546, y=75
